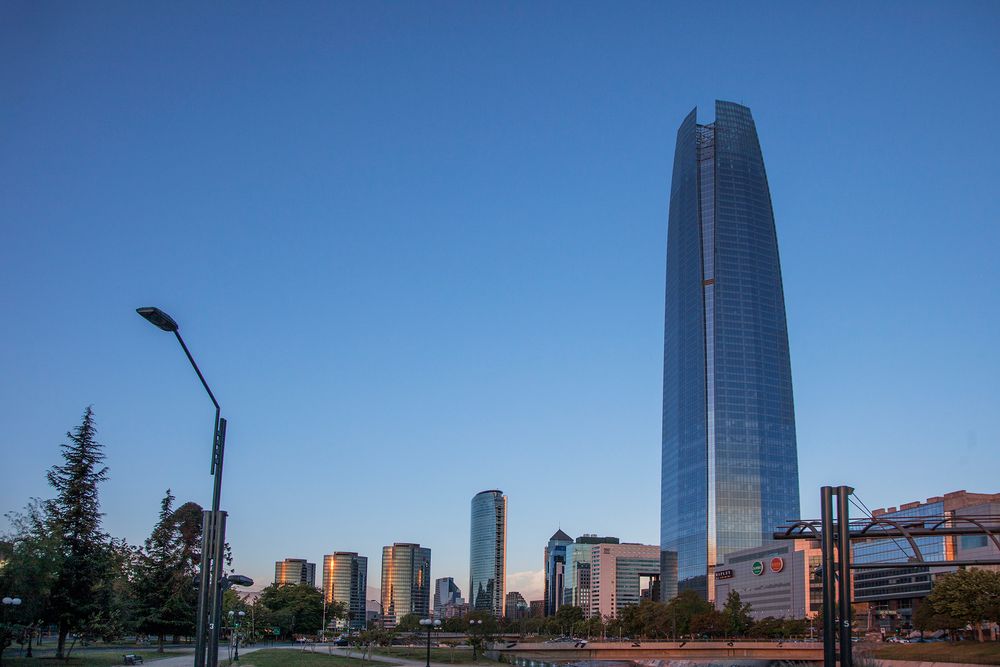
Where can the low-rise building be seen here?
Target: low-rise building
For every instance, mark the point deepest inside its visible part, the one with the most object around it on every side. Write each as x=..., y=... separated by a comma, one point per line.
x=777, y=579
x=893, y=594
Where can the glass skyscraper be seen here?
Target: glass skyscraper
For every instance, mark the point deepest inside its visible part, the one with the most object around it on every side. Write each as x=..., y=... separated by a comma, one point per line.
x=488, y=552
x=406, y=584
x=729, y=468
x=345, y=580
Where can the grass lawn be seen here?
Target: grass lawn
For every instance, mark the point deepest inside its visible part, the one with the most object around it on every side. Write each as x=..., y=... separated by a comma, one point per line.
x=83, y=658
x=276, y=657
x=987, y=653
x=458, y=655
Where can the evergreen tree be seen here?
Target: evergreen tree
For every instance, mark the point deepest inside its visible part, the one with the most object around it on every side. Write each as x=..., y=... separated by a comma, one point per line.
x=162, y=585
x=737, y=615
x=74, y=519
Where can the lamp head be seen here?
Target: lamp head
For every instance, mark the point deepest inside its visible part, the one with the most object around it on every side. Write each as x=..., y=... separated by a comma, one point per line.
x=159, y=318
x=239, y=580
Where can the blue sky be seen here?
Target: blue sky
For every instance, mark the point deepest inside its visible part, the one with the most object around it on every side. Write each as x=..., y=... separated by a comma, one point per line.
x=418, y=250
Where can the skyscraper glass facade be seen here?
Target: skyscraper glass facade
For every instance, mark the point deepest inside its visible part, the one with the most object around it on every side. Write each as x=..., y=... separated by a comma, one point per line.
x=345, y=581
x=729, y=468
x=555, y=570
x=488, y=552
x=406, y=584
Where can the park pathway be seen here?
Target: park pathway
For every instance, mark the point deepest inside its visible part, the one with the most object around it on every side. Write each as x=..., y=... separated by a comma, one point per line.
x=188, y=659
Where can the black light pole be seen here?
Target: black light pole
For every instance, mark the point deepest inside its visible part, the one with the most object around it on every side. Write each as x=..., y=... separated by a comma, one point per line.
x=213, y=523
x=844, y=571
x=829, y=582
x=430, y=624
x=473, y=623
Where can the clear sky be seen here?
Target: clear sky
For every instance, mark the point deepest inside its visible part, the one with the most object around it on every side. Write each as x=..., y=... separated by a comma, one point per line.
x=418, y=250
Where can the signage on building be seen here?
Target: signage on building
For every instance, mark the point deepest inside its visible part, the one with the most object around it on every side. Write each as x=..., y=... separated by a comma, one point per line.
x=723, y=574
x=777, y=564
x=758, y=567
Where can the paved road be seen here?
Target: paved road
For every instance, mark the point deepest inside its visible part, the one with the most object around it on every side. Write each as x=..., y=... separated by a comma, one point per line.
x=188, y=659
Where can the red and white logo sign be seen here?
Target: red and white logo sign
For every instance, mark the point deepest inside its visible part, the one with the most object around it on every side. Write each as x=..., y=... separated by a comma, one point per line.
x=777, y=564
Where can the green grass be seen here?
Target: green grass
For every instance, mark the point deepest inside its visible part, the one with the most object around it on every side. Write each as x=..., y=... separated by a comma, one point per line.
x=296, y=657
x=986, y=653
x=458, y=656
x=82, y=658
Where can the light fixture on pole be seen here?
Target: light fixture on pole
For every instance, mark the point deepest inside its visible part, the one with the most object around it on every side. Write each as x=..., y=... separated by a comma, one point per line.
x=235, y=621
x=213, y=527
x=430, y=623
x=473, y=624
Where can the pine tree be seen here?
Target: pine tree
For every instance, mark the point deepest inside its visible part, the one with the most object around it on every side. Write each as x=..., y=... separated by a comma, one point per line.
x=162, y=584
x=74, y=519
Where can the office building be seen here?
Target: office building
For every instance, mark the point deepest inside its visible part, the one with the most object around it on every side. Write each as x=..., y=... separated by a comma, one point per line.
x=777, y=579
x=345, y=581
x=458, y=609
x=555, y=568
x=729, y=471
x=516, y=606
x=619, y=574
x=536, y=609
x=892, y=595
x=406, y=584
x=295, y=571
x=488, y=552
x=576, y=573
x=445, y=593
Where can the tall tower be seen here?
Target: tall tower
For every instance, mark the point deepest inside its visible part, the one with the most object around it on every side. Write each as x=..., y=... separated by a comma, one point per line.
x=406, y=584
x=488, y=552
x=729, y=468
x=345, y=580
x=555, y=570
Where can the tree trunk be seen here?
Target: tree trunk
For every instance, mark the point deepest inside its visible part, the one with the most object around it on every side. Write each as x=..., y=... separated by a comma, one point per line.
x=159, y=648
x=61, y=644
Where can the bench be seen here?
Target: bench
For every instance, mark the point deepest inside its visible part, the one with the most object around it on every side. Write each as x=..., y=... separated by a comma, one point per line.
x=131, y=659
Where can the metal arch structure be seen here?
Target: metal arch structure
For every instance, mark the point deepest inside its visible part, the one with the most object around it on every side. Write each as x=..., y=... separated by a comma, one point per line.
x=837, y=536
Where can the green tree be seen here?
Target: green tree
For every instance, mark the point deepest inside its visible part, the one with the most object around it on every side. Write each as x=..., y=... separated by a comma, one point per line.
x=736, y=615
x=683, y=608
x=710, y=623
x=970, y=596
x=74, y=519
x=32, y=559
x=295, y=608
x=566, y=617
x=162, y=585
x=408, y=623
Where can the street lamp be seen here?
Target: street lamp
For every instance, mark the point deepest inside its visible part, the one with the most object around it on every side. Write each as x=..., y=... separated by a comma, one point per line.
x=8, y=603
x=235, y=621
x=473, y=624
x=435, y=623
x=213, y=523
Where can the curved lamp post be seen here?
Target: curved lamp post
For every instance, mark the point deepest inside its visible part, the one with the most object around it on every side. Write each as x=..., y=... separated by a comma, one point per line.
x=435, y=623
x=213, y=523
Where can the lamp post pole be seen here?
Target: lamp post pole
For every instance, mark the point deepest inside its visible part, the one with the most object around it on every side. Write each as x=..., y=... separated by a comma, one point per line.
x=236, y=621
x=213, y=523
x=430, y=623
x=473, y=624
